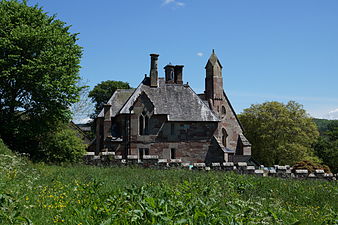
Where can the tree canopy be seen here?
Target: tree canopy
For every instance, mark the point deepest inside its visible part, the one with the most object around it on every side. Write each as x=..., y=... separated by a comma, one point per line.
x=327, y=146
x=39, y=69
x=103, y=91
x=279, y=133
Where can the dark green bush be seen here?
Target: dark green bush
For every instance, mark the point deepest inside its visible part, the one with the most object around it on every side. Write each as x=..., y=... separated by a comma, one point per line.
x=62, y=146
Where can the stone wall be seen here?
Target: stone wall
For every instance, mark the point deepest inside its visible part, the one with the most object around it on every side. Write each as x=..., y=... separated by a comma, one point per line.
x=154, y=161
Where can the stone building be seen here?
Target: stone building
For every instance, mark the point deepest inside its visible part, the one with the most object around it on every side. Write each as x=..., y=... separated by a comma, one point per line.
x=166, y=118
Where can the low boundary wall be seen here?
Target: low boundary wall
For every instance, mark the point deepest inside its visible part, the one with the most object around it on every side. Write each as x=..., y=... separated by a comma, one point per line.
x=152, y=161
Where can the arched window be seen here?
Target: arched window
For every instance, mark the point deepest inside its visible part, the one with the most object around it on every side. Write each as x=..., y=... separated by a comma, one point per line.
x=141, y=125
x=223, y=110
x=224, y=137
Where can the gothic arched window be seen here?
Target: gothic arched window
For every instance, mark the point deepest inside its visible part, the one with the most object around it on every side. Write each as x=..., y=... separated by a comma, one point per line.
x=143, y=124
x=224, y=137
x=223, y=110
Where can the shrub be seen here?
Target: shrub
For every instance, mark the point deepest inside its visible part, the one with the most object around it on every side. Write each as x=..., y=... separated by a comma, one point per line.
x=310, y=166
x=63, y=146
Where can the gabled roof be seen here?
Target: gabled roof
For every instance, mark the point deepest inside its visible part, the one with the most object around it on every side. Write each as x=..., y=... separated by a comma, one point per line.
x=117, y=100
x=233, y=111
x=179, y=102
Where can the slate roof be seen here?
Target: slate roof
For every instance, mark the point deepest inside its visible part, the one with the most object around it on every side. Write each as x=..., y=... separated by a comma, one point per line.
x=117, y=100
x=179, y=102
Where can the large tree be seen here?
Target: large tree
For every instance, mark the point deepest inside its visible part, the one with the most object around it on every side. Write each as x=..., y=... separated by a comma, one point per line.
x=327, y=146
x=279, y=133
x=103, y=91
x=39, y=69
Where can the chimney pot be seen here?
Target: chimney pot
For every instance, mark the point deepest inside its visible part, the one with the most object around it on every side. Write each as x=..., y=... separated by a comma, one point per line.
x=153, y=70
x=179, y=74
x=169, y=73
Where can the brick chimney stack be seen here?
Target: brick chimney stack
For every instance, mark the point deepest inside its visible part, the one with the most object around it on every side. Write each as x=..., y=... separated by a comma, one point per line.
x=153, y=70
x=179, y=74
x=169, y=74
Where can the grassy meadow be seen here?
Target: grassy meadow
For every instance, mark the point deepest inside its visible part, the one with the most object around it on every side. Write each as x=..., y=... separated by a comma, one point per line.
x=44, y=194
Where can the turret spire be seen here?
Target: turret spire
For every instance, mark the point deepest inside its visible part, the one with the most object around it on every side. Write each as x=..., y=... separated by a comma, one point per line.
x=213, y=79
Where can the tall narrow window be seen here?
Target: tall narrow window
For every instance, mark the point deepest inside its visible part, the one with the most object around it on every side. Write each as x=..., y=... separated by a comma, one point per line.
x=172, y=153
x=224, y=137
x=146, y=125
x=141, y=125
x=223, y=110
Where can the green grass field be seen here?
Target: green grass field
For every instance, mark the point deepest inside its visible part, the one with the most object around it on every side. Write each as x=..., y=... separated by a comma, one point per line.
x=42, y=194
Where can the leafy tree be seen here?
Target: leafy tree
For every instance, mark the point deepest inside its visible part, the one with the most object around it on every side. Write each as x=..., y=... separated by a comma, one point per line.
x=39, y=66
x=63, y=146
x=327, y=146
x=322, y=125
x=103, y=91
x=279, y=133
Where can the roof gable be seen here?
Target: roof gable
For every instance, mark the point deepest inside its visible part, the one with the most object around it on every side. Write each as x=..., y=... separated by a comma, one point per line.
x=179, y=102
x=117, y=100
x=233, y=111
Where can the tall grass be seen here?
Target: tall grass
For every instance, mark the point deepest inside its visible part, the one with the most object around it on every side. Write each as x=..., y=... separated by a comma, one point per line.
x=42, y=194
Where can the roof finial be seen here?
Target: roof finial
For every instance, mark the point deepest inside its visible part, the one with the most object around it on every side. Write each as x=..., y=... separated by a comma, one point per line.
x=213, y=51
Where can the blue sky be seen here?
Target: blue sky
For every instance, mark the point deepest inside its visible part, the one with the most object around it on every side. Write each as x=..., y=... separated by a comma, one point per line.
x=270, y=49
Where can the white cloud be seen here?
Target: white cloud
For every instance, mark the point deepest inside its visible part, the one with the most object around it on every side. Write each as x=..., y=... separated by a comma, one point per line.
x=332, y=115
x=173, y=2
x=200, y=54
x=334, y=111
x=180, y=4
x=166, y=2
